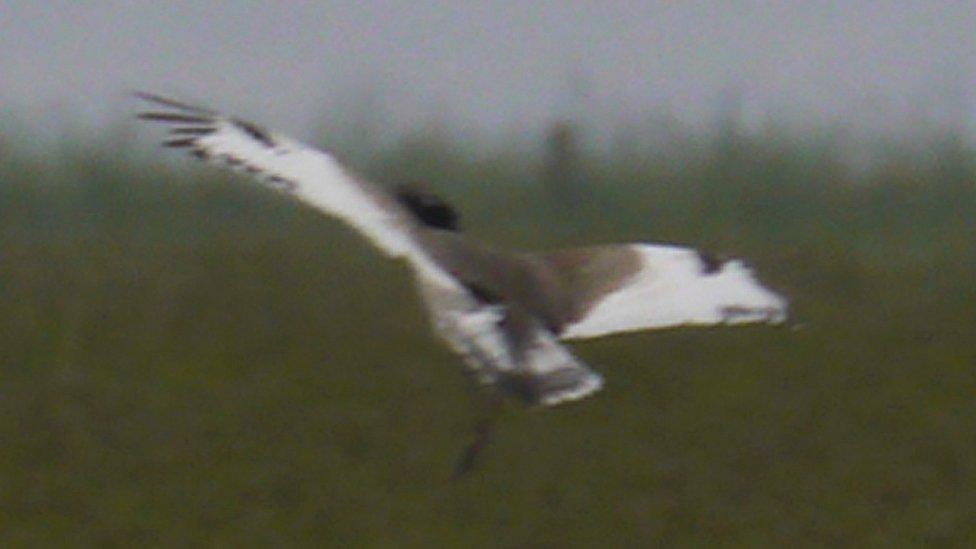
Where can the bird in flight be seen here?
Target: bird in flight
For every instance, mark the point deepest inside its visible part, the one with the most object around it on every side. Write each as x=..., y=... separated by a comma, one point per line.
x=506, y=314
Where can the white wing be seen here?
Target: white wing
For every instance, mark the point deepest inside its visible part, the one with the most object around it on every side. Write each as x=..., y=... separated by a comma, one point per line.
x=312, y=176
x=539, y=370
x=552, y=374
x=675, y=286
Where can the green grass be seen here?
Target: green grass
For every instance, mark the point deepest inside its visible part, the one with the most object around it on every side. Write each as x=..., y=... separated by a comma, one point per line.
x=189, y=360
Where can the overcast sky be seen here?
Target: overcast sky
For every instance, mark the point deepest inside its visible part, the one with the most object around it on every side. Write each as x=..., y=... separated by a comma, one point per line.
x=485, y=66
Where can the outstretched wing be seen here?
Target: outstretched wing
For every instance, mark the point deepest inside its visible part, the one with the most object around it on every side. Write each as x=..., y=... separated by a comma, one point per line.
x=313, y=176
x=645, y=286
x=549, y=373
x=511, y=352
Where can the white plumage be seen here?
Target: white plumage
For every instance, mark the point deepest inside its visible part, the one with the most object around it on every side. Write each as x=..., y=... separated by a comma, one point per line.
x=503, y=313
x=684, y=291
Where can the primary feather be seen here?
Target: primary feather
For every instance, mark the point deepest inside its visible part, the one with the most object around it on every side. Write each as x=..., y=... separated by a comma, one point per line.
x=405, y=225
x=662, y=287
x=311, y=175
x=503, y=313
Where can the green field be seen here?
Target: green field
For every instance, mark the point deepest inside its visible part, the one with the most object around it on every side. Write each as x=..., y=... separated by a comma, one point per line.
x=186, y=359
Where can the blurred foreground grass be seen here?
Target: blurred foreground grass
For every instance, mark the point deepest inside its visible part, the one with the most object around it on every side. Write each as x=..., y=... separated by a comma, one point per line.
x=188, y=359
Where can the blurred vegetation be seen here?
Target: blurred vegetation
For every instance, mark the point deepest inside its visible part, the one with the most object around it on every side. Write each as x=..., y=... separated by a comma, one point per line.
x=187, y=359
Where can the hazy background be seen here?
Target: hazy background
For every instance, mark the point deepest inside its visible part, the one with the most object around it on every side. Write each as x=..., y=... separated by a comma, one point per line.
x=189, y=359
x=497, y=65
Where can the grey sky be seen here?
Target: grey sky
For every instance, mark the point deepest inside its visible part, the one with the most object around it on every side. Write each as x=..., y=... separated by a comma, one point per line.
x=496, y=64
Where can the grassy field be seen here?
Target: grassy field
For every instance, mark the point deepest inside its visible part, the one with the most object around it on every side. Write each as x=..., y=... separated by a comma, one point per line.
x=187, y=360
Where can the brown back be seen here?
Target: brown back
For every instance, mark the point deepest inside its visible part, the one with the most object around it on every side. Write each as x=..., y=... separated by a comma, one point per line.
x=557, y=287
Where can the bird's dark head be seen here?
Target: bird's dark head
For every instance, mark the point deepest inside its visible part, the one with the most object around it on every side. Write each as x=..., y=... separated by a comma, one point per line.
x=428, y=208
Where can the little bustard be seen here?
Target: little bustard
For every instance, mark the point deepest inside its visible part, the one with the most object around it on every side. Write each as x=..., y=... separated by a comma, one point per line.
x=506, y=314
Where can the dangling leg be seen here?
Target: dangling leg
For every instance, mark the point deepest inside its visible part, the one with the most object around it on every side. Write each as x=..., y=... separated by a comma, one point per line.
x=482, y=436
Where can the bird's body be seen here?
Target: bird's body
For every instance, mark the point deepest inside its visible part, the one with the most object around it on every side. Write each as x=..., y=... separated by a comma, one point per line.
x=505, y=313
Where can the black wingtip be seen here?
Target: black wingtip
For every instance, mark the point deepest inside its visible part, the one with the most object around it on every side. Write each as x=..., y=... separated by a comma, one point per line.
x=256, y=132
x=181, y=143
x=147, y=96
x=171, y=103
x=173, y=117
x=198, y=131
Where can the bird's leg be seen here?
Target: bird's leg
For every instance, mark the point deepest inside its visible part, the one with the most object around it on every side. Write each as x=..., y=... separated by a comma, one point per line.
x=482, y=436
